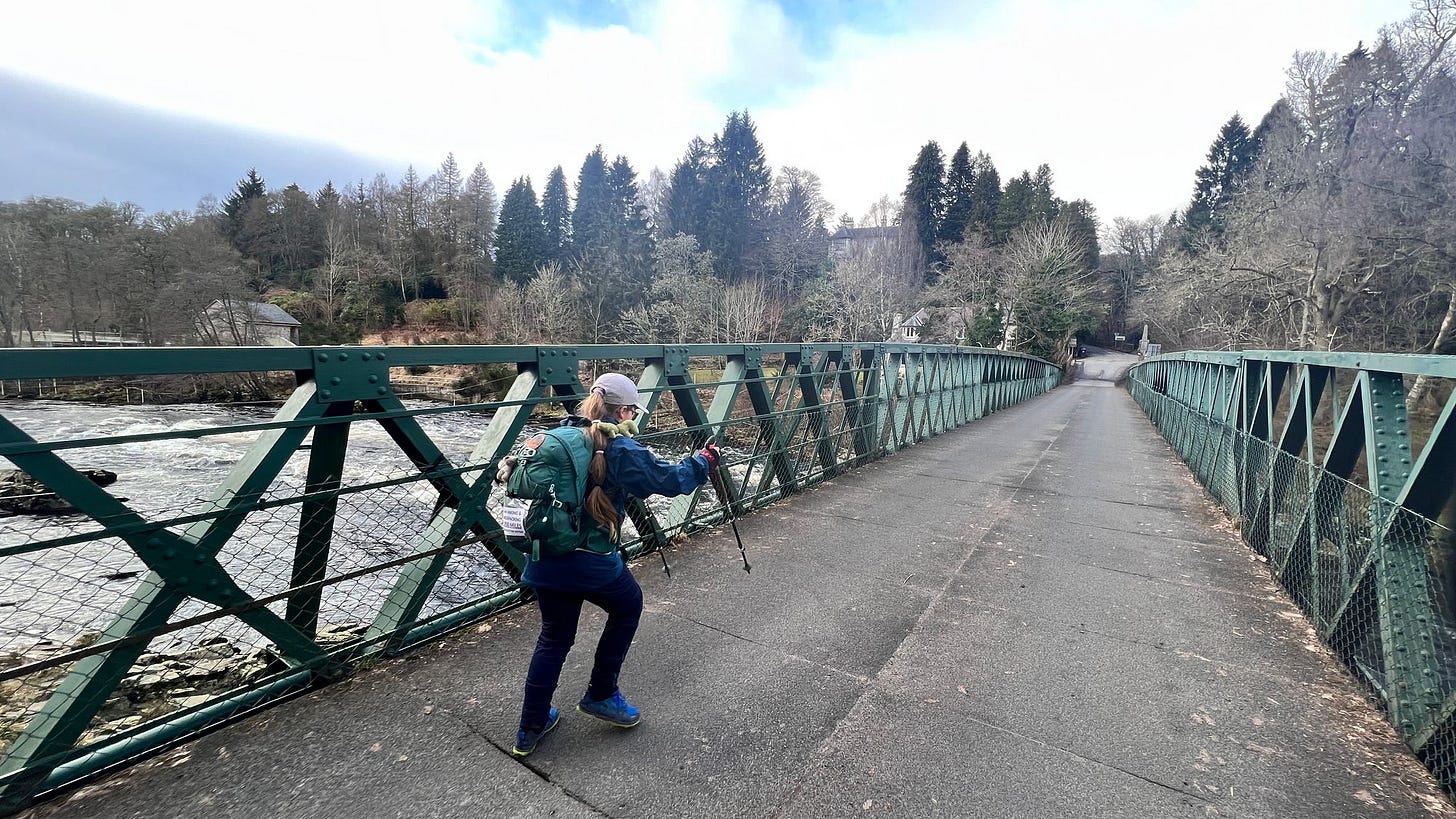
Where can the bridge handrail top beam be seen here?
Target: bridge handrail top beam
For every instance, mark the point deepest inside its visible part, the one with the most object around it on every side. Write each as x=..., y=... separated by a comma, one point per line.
x=78, y=362
x=1441, y=366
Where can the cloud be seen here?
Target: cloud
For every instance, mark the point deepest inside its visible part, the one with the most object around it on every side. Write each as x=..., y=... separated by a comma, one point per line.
x=1121, y=99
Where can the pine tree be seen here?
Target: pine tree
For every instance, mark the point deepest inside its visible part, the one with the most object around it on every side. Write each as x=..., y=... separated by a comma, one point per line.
x=985, y=195
x=1081, y=220
x=1044, y=203
x=447, y=187
x=1230, y=159
x=479, y=207
x=924, y=195
x=1014, y=208
x=556, y=212
x=687, y=195
x=738, y=187
x=595, y=215
x=236, y=207
x=959, y=196
x=520, y=242
x=631, y=243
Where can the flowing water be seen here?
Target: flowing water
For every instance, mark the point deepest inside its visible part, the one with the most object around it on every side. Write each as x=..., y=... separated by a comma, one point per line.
x=60, y=592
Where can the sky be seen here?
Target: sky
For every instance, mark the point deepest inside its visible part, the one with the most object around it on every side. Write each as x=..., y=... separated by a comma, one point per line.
x=162, y=101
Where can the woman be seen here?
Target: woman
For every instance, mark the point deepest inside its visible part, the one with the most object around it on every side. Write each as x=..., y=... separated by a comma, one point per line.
x=597, y=573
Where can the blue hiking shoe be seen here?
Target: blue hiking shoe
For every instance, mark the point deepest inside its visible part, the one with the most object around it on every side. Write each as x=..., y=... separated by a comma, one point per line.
x=526, y=741
x=614, y=709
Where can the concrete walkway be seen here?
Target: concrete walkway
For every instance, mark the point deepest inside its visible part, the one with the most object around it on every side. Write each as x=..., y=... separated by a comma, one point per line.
x=1037, y=615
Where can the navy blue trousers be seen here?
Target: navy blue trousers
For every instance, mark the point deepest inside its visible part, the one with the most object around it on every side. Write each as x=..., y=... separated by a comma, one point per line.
x=621, y=599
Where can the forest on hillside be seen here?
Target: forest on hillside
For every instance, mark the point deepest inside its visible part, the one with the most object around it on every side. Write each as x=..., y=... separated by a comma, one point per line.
x=1328, y=225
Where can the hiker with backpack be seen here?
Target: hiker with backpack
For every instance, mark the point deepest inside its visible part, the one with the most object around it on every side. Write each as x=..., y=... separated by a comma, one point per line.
x=567, y=497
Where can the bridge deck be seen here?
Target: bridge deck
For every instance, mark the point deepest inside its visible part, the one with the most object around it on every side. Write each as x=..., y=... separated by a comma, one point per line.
x=1036, y=615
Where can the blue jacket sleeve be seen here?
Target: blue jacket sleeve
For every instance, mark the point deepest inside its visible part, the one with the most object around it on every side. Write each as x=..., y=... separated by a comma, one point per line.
x=634, y=469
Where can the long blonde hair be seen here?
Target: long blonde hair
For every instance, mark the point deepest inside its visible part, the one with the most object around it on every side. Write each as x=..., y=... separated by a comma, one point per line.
x=596, y=408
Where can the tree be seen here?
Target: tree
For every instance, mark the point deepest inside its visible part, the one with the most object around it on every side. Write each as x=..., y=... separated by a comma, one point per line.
x=1230, y=159
x=687, y=206
x=960, y=183
x=797, y=241
x=924, y=200
x=857, y=298
x=595, y=215
x=1014, y=207
x=520, y=242
x=556, y=213
x=738, y=182
x=631, y=243
x=478, y=204
x=1046, y=292
x=553, y=299
x=985, y=196
x=1043, y=204
x=236, y=207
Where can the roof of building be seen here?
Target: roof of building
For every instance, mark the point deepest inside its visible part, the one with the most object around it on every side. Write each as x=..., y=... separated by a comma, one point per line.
x=865, y=233
x=261, y=311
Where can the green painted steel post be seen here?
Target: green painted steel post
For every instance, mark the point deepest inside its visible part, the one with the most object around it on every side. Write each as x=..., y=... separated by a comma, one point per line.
x=316, y=517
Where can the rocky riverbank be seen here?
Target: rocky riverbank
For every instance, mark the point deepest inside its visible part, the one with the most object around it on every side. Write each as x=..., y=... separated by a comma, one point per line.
x=158, y=683
x=21, y=494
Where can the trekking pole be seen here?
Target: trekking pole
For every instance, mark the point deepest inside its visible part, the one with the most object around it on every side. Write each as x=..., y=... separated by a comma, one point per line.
x=728, y=512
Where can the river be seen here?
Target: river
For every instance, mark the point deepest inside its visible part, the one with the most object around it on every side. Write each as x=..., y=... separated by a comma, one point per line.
x=61, y=592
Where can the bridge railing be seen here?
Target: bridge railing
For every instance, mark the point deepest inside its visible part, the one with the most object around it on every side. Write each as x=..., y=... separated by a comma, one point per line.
x=1340, y=470
x=142, y=620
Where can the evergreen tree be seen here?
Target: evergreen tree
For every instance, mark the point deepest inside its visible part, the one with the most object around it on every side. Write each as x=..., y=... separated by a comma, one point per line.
x=738, y=183
x=985, y=195
x=446, y=187
x=479, y=208
x=631, y=243
x=924, y=195
x=520, y=242
x=959, y=196
x=595, y=216
x=687, y=195
x=1230, y=159
x=1081, y=220
x=556, y=212
x=1014, y=208
x=237, y=208
x=1044, y=203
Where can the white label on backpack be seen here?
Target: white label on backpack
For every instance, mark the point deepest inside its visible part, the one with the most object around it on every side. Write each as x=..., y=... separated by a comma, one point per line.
x=513, y=520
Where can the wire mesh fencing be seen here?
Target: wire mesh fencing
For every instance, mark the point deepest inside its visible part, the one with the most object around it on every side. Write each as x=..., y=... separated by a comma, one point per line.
x=214, y=560
x=1338, y=472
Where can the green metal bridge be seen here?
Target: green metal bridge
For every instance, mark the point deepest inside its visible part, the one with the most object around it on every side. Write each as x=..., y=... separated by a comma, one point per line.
x=309, y=560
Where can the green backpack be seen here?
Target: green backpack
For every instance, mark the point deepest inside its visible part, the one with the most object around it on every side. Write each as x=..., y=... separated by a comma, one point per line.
x=545, y=509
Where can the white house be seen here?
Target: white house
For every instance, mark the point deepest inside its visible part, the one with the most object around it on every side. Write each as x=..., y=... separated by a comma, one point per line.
x=847, y=241
x=229, y=322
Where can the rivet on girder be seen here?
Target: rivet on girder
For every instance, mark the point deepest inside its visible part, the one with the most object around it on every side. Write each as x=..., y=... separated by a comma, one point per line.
x=343, y=356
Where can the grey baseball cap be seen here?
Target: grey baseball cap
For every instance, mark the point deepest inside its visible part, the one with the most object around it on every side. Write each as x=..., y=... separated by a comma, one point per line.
x=620, y=390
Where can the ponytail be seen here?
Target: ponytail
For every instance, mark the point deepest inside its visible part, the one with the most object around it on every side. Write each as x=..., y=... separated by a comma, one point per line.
x=597, y=503
x=594, y=406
